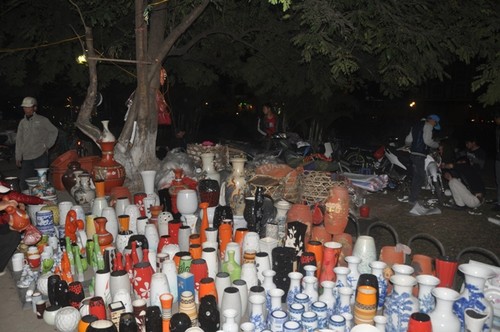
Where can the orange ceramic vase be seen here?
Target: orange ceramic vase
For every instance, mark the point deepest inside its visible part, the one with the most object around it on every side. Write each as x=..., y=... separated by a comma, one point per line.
x=104, y=237
x=108, y=169
x=337, y=209
x=301, y=213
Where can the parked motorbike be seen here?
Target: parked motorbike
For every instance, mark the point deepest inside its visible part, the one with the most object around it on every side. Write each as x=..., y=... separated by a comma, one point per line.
x=7, y=140
x=433, y=171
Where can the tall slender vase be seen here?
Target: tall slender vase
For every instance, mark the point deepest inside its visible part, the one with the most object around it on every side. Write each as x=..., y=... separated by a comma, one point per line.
x=378, y=271
x=400, y=304
x=294, y=289
x=108, y=169
x=235, y=186
x=353, y=276
x=364, y=248
x=256, y=314
x=442, y=317
x=473, y=294
x=148, y=180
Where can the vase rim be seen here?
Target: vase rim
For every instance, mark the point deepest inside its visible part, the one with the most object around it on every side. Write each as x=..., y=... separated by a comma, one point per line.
x=403, y=280
x=476, y=270
x=333, y=245
x=428, y=279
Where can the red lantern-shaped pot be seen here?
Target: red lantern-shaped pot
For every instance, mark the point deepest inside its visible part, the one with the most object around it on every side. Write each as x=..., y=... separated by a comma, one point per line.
x=108, y=169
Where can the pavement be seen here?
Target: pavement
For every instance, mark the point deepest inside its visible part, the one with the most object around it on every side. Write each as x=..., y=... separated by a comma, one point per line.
x=14, y=315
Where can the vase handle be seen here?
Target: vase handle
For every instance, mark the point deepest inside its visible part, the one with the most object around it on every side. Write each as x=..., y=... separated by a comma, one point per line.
x=429, y=238
x=485, y=252
x=222, y=194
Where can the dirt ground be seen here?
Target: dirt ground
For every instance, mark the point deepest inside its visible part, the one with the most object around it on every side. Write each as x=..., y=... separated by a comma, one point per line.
x=455, y=229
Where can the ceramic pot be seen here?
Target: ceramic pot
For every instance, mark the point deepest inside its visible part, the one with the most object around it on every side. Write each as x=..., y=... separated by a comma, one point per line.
x=97, y=307
x=152, y=319
x=143, y=273
x=365, y=306
x=209, y=191
x=61, y=293
x=176, y=186
x=302, y=214
x=426, y=284
x=208, y=313
x=337, y=209
x=187, y=305
x=76, y=294
x=231, y=299
x=256, y=313
x=49, y=315
x=108, y=169
x=180, y=322
x=419, y=322
x=105, y=238
x=364, y=248
x=127, y=322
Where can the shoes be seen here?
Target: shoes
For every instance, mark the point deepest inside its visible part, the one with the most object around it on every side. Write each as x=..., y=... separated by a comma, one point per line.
x=454, y=206
x=475, y=212
x=3, y=273
x=403, y=199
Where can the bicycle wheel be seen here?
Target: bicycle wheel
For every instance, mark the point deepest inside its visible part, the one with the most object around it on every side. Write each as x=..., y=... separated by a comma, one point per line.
x=355, y=159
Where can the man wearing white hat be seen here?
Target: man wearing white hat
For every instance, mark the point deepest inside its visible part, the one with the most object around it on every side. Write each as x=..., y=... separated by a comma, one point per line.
x=35, y=136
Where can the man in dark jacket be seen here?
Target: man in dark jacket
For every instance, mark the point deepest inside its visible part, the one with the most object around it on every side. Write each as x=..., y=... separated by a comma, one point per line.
x=420, y=141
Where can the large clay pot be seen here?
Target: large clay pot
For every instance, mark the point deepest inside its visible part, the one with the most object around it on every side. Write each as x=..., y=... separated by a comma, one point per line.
x=337, y=209
x=108, y=169
x=301, y=213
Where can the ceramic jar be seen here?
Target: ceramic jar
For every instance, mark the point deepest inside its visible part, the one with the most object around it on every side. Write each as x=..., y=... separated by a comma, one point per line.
x=67, y=319
x=69, y=178
x=337, y=209
x=330, y=258
x=207, y=160
x=364, y=248
x=425, y=299
x=84, y=195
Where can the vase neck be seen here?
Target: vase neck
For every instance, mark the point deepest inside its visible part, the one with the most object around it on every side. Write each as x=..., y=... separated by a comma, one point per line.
x=443, y=305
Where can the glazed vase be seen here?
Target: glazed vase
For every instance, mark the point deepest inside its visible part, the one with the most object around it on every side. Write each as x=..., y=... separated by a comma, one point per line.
x=84, y=195
x=472, y=296
x=207, y=160
x=295, y=286
x=337, y=209
x=235, y=186
x=208, y=314
x=230, y=324
x=69, y=178
x=176, y=186
x=377, y=269
x=104, y=237
x=148, y=180
x=141, y=282
x=400, y=304
x=231, y=299
x=364, y=248
x=283, y=262
x=426, y=283
x=329, y=260
x=474, y=320
x=442, y=317
x=365, y=305
x=328, y=295
x=232, y=267
x=256, y=314
x=43, y=188
x=108, y=169
x=321, y=310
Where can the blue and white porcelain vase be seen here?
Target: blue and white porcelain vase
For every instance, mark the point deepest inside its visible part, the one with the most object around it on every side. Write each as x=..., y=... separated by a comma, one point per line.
x=426, y=301
x=256, y=314
x=400, y=304
x=353, y=276
x=321, y=311
x=472, y=295
x=328, y=295
x=378, y=268
x=309, y=321
x=295, y=278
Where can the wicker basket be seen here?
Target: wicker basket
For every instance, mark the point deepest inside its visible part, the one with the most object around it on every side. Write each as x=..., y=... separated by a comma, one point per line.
x=316, y=185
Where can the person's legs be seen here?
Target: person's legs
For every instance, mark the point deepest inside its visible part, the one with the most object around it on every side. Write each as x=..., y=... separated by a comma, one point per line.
x=9, y=240
x=462, y=195
x=42, y=161
x=418, y=171
x=27, y=171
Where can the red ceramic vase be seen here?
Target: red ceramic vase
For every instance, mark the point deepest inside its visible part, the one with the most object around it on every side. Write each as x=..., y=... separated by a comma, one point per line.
x=141, y=281
x=108, y=169
x=337, y=209
x=331, y=253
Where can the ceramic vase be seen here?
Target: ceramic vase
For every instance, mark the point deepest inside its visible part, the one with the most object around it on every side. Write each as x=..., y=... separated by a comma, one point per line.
x=474, y=320
x=232, y=267
x=159, y=286
x=235, y=186
x=353, y=276
x=400, y=304
x=142, y=274
x=442, y=317
x=256, y=314
x=364, y=248
x=231, y=300
x=222, y=281
x=425, y=299
x=328, y=295
x=208, y=314
x=283, y=260
x=337, y=209
x=249, y=274
x=378, y=268
x=187, y=305
x=108, y=169
x=365, y=305
x=472, y=296
x=330, y=258
x=295, y=288
x=321, y=311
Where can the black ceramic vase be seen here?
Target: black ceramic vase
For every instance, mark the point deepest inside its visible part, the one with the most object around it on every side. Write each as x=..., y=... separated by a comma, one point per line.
x=222, y=212
x=209, y=190
x=307, y=258
x=165, y=199
x=180, y=322
x=208, y=314
x=296, y=236
x=127, y=323
x=152, y=321
x=283, y=259
x=51, y=287
x=61, y=297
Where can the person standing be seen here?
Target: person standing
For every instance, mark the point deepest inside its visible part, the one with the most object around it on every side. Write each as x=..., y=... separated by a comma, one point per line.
x=35, y=136
x=420, y=141
x=267, y=125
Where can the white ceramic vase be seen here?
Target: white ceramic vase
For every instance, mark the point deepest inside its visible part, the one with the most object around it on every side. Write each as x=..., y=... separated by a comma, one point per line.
x=442, y=317
x=364, y=248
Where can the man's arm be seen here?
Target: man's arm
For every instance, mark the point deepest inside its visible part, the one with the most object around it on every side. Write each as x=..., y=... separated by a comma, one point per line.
x=427, y=136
